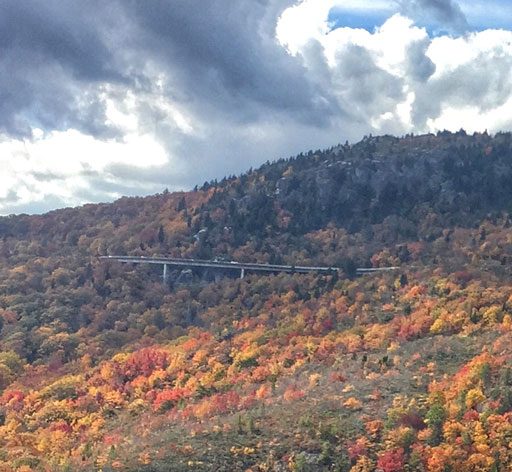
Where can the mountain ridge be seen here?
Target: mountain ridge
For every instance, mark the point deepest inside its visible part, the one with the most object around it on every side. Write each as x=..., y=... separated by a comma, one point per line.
x=391, y=371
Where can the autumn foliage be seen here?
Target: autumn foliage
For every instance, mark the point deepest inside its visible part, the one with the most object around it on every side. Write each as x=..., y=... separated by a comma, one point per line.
x=103, y=367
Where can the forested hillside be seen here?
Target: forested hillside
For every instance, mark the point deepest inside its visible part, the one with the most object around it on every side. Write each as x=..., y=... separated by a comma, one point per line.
x=104, y=367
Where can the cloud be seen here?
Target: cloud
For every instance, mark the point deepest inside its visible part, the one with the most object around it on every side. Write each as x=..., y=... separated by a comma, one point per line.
x=216, y=61
x=446, y=13
x=146, y=95
x=473, y=85
x=61, y=164
x=400, y=79
x=54, y=58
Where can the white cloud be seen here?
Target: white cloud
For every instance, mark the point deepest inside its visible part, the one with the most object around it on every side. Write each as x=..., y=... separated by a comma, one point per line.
x=302, y=23
x=399, y=79
x=449, y=53
x=57, y=164
x=388, y=44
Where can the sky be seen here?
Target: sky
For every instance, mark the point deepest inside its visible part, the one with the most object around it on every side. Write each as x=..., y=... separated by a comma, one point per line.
x=130, y=97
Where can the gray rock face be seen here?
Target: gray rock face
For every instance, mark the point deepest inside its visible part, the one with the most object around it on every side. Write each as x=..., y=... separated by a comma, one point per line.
x=382, y=175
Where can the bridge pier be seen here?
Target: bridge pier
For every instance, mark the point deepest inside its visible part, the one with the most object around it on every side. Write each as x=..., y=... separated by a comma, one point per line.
x=242, y=273
x=165, y=275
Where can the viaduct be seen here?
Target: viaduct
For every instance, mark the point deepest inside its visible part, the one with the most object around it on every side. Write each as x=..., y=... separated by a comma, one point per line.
x=242, y=267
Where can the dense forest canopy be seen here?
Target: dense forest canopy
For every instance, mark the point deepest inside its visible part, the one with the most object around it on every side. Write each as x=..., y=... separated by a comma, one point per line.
x=395, y=371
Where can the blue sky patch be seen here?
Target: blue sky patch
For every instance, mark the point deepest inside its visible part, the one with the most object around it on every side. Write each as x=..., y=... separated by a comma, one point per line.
x=339, y=18
x=496, y=15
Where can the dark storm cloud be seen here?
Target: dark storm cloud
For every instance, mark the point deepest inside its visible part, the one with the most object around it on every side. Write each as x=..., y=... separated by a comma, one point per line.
x=50, y=54
x=444, y=12
x=221, y=57
x=223, y=54
x=57, y=31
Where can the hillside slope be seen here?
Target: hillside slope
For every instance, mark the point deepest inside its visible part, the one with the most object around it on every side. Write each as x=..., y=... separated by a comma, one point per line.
x=104, y=367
